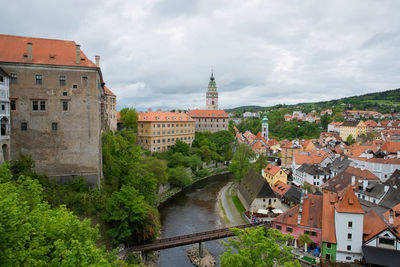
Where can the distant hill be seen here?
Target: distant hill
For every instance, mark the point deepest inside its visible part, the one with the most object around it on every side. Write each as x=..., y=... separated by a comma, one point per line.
x=384, y=102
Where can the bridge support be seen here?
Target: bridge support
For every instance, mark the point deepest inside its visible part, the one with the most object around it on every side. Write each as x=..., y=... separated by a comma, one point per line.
x=144, y=255
x=201, y=250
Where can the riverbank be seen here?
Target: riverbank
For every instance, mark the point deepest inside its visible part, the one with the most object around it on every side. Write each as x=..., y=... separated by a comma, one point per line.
x=225, y=207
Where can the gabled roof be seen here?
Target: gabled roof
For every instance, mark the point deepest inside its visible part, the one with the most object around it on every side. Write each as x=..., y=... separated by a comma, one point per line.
x=44, y=51
x=396, y=215
x=108, y=91
x=392, y=198
x=348, y=202
x=328, y=218
x=338, y=182
x=391, y=147
x=361, y=173
x=272, y=169
x=208, y=113
x=373, y=225
x=163, y=117
x=272, y=142
x=311, y=215
x=350, y=123
x=254, y=184
x=312, y=169
x=293, y=194
x=280, y=187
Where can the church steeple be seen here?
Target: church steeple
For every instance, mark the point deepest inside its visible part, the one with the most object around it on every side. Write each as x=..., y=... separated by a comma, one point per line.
x=264, y=127
x=212, y=94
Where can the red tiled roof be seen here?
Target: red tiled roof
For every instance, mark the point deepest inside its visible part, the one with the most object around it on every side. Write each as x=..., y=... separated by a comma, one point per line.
x=44, y=51
x=272, y=142
x=164, y=116
x=201, y=113
x=280, y=187
x=373, y=225
x=272, y=169
x=108, y=91
x=371, y=123
x=311, y=158
x=118, y=117
x=391, y=147
x=236, y=129
x=378, y=160
x=361, y=173
x=396, y=215
x=258, y=145
x=328, y=218
x=348, y=202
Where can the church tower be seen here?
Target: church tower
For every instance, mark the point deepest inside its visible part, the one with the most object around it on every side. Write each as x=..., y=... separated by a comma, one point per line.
x=264, y=127
x=212, y=94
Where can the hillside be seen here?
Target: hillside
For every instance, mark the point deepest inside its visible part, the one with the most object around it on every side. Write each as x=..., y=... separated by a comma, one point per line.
x=384, y=102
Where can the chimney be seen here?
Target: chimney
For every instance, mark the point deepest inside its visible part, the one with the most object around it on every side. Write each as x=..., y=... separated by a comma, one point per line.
x=97, y=61
x=300, y=208
x=159, y=110
x=150, y=110
x=29, y=51
x=78, y=54
x=391, y=217
x=353, y=180
x=364, y=184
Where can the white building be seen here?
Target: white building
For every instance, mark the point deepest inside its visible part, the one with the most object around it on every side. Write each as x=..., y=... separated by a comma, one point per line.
x=383, y=168
x=349, y=219
x=4, y=116
x=311, y=174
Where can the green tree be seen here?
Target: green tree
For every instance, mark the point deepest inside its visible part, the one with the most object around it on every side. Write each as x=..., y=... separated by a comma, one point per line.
x=129, y=118
x=325, y=120
x=177, y=159
x=180, y=147
x=178, y=177
x=206, y=153
x=222, y=140
x=240, y=163
x=257, y=247
x=350, y=140
x=261, y=163
x=33, y=234
x=131, y=218
x=304, y=239
x=158, y=168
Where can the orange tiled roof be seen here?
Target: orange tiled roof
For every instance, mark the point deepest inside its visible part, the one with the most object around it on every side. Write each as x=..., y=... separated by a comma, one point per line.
x=272, y=142
x=348, y=202
x=335, y=123
x=373, y=225
x=280, y=187
x=44, y=51
x=328, y=218
x=371, y=123
x=236, y=129
x=272, y=169
x=108, y=91
x=391, y=147
x=311, y=159
x=118, y=117
x=201, y=113
x=258, y=145
x=164, y=116
x=391, y=132
x=396, y=215
x=378, y=160
x=361, y=173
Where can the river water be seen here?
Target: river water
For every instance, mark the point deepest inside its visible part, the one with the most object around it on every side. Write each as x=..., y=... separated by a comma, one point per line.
x=191, y=211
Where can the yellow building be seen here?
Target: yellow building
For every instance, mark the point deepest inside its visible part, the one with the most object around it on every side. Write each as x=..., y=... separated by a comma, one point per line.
x=273, y=174
x=158, y=131
x=287, y=154
x=354, y=128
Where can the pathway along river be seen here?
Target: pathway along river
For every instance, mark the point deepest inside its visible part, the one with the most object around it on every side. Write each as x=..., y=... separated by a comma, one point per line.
x=190, y=211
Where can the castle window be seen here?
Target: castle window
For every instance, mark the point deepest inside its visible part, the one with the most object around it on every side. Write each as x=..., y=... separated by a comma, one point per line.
x=65, y=93
x=63, y=80
x=1, y=78
x=74, y=86
x=348, y=247
x=85, y=82
x=3, y=107
x=14, y=78
x=54, y=126
x=12, y=105
x=38, y=79
x=65, y=105
x=24, y=126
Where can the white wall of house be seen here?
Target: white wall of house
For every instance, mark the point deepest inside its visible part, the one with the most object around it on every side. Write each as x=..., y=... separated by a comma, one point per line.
x=379, y=241
x=342, y=230
x=264, y=203
x=382, y=170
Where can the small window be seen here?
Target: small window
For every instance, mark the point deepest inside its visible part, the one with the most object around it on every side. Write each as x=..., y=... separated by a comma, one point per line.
x=14, y=78
x=348, y=247
x=348, y=258
x=74, y=86
x=349, y=236
x=313, y=233
x=85, y=82
x=350, y=224
x=1, y=78
x=63, y=80
x=12, y=105
x=54, y=126
x=289, y=229
x=65, y=105
x=327, y=256
x=65, y=93
x=24, y=126
x=279, y=227
x=328, y=245
x=42, y=105
x=3, y=107
x=39, y=79
x=35, y=105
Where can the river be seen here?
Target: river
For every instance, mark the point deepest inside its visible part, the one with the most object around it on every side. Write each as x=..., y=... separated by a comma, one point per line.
x=190, y=211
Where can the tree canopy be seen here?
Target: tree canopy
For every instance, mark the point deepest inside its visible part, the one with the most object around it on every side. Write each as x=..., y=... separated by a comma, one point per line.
x=257, y=247
x=129, y=117
x=240, y=163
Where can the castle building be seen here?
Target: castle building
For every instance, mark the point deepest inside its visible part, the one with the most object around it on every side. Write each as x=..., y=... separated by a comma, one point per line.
x=210, y=119
x=57, y=116
x=212, y=94
x=4, y=116
x=110, y=105
x=158, y=131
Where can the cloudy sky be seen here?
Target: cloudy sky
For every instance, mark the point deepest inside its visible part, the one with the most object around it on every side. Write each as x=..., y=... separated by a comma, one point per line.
x=159, y=53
